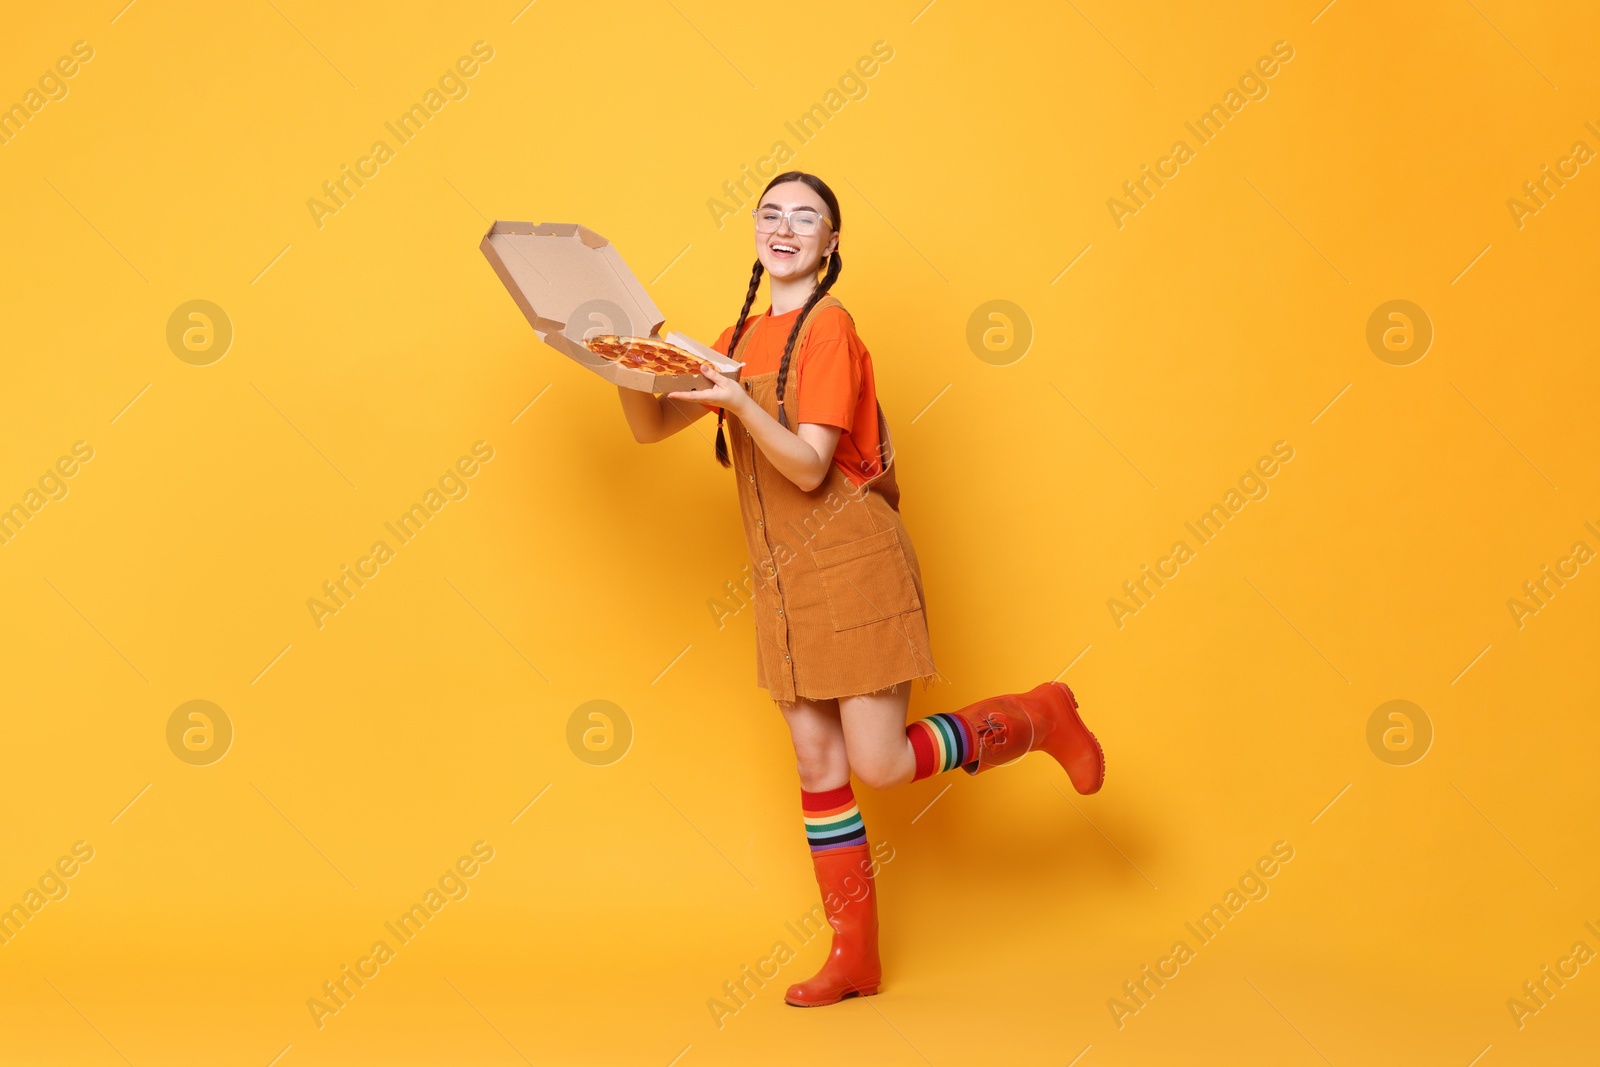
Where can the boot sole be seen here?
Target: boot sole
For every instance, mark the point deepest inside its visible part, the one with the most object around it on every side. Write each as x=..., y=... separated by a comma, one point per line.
x=1100, y=754
x=824, y=1003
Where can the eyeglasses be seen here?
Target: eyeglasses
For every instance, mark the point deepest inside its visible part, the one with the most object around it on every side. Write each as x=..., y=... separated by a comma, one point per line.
x=803, y=221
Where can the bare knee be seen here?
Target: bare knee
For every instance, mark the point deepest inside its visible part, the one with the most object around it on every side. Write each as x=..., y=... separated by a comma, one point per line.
x=877, y=771
x=875, y=734
x=821, y=767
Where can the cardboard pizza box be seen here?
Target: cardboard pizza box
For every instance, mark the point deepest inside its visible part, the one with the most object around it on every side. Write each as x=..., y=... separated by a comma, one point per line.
x=571, y=283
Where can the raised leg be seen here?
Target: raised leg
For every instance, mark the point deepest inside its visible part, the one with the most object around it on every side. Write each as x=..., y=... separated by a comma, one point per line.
x=874, y=724
x=883, y=751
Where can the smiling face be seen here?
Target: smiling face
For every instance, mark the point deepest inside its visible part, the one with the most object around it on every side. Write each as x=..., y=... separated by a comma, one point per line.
x=787, y=255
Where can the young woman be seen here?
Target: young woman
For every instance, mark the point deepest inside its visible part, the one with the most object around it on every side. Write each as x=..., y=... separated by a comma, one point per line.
x=840, y=621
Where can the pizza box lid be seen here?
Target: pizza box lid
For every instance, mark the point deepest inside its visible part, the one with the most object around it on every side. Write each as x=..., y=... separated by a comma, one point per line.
x=570, y=282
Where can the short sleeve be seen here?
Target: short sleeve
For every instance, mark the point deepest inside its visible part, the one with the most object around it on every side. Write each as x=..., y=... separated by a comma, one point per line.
x=830, y=372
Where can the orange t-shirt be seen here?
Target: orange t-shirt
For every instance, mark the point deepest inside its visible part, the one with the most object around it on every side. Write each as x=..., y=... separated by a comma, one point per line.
x=831, y=377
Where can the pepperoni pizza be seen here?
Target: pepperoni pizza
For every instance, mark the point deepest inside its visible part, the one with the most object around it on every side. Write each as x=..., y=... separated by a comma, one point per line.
x=644, y=353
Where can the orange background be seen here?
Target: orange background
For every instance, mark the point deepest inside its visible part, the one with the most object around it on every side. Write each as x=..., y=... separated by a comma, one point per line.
x=371, y=352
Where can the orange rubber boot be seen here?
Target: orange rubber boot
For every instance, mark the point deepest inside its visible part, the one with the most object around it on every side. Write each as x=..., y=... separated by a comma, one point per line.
x=1006, y=728
x=850, y=899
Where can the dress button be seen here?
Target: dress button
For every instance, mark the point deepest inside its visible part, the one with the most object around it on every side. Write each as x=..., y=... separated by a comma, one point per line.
x=752, y=477
x=780, y=611
x=786, y=656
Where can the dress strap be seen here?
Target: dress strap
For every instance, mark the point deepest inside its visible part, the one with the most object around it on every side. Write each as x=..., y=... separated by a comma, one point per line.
x=827, y=300
x=885, y=451
x=792, y=395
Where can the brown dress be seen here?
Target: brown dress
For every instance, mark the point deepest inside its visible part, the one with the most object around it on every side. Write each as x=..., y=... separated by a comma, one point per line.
x=839, y=608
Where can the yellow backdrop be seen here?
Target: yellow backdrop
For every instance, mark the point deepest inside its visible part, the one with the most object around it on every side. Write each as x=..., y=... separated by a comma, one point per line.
x=1242, y=371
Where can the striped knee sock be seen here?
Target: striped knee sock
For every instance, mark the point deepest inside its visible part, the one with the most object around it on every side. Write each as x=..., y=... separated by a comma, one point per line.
x=832, y=819
x=940, y=742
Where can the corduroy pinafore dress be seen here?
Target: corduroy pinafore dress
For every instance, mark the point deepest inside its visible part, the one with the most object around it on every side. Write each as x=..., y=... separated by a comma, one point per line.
x=839, y=609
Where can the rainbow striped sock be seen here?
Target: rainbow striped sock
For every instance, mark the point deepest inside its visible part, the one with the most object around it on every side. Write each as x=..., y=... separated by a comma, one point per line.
x=940, y=742
x=832, y=819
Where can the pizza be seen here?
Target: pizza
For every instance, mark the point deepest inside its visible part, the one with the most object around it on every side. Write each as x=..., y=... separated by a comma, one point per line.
x=644, y=353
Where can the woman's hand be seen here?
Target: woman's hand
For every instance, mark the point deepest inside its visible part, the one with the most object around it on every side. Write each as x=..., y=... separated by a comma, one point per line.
x=723, y=391
x=803, y=455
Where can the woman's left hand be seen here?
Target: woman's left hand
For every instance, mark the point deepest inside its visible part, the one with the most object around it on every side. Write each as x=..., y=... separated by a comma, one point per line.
x=722, y=391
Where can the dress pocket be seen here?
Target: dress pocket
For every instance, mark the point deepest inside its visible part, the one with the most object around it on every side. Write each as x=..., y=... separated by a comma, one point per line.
x=866, y=580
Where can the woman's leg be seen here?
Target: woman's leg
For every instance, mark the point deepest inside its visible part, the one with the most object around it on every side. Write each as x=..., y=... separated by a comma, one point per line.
x=878, y=750
x=840, y=855
x=989, y=733
x=827, y=804
x=884, y=751
x=819, y=744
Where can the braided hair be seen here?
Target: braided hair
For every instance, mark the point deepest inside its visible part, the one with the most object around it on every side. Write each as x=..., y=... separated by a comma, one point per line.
x=733, y=345
x=834, y=267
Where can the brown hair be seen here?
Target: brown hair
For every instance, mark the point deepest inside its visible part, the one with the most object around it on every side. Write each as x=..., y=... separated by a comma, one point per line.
x=834, y=266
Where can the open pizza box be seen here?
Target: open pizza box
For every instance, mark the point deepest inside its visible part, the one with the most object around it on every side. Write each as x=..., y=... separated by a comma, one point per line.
x=571, y=283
